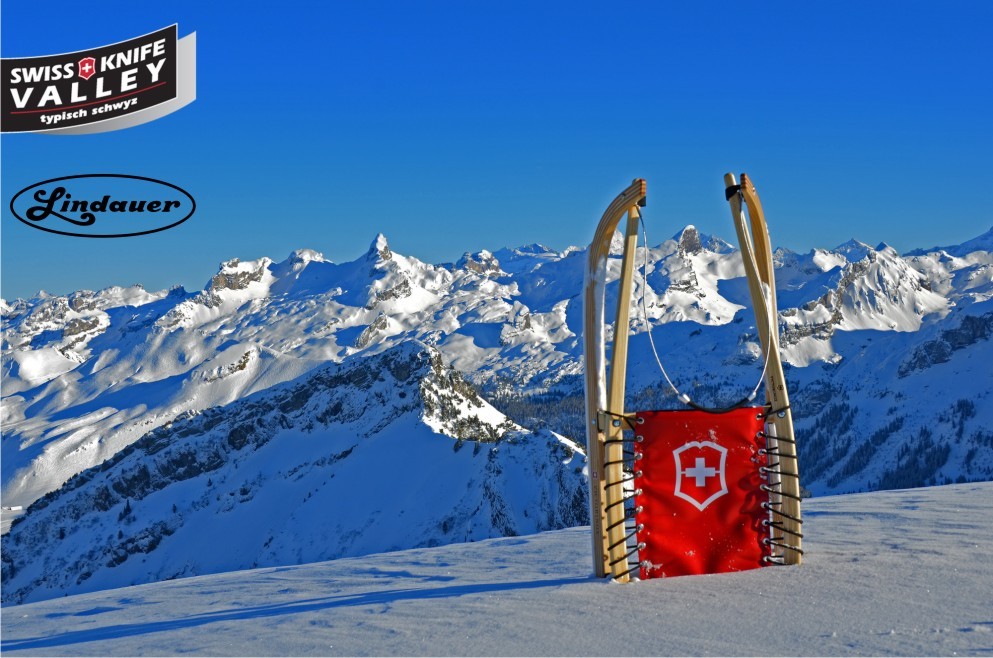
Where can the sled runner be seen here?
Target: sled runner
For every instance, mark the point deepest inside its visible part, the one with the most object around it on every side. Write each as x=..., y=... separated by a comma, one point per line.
x=695, y=490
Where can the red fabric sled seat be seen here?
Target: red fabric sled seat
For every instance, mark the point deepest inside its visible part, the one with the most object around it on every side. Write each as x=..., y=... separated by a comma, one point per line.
x=700, y=498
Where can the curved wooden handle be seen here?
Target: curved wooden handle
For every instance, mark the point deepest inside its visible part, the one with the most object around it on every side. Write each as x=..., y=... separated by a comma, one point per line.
x=604, y=460
x=756, y=249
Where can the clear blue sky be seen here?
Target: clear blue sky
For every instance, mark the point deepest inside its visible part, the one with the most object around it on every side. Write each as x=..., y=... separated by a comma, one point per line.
x=468, y=125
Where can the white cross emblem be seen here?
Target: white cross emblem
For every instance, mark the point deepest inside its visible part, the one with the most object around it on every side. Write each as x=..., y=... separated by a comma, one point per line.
x=701, y=494
x=87, y=67
x=700, y=472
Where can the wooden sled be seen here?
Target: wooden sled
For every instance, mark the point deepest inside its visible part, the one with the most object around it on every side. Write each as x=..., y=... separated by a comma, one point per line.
x=610, y=428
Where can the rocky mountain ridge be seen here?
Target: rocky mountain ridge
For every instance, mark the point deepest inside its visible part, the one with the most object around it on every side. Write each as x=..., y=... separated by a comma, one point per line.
x=352, y=458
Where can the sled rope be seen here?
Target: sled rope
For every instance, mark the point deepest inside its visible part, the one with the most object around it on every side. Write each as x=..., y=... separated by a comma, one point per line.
x=683, y=397
x=778, y=412
x=629, y=456
x=777, y=520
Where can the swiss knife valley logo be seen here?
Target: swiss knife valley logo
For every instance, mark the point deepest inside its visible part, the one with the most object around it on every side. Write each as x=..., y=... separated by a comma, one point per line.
x=91, y=86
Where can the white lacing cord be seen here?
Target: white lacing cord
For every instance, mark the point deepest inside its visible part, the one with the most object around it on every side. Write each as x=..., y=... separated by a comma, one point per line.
x=683, y=397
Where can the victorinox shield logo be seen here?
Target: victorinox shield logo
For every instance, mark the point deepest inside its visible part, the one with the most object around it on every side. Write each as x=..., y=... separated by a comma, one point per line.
x=700, y=472
x=87, y=67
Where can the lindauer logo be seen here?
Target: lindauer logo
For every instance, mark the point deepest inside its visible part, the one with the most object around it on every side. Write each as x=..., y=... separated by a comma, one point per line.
x=103, y=205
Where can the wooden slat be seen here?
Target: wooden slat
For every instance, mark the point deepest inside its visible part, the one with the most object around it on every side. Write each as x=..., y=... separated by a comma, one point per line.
x=594, y=345
x=614, y=474
x=756, y=251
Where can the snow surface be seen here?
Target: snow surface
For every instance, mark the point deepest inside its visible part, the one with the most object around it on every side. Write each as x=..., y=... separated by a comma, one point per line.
x=898, y=572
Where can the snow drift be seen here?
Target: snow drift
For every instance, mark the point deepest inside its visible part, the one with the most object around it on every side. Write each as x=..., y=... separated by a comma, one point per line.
x=887, y=573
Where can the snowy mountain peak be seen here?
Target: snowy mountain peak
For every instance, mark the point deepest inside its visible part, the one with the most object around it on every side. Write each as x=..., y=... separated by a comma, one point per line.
x=853, y=250
x=874, y=289
x=235, y=280
x=379, y=249
x=482, y=262
x=689, y=240
x=534, y=249
x=304, y=256
x=238, y=275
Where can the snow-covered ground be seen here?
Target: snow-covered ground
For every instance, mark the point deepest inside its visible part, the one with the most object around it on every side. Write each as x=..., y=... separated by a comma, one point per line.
x=898, y=572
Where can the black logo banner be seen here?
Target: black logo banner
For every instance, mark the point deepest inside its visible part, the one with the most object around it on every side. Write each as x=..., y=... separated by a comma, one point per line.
x=101, y=84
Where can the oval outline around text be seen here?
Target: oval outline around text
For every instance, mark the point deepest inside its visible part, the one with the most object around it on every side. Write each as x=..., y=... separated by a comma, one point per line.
x=193, y=208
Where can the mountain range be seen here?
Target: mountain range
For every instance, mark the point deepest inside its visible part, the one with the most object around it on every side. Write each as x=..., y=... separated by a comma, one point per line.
x=301, y=410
